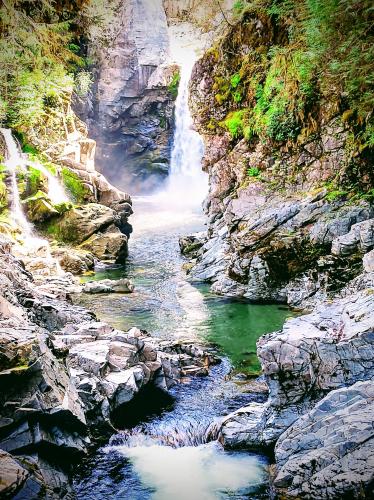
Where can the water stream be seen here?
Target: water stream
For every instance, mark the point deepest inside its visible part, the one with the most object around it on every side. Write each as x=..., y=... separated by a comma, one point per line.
x=162, y=451
x=14, y=161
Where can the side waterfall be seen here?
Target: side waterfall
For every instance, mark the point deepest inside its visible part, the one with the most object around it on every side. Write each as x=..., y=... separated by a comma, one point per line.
x=13, y=161
x=56, y=192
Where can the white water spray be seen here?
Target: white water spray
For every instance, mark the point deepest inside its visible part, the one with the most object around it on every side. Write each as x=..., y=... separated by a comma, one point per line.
x=13, y=161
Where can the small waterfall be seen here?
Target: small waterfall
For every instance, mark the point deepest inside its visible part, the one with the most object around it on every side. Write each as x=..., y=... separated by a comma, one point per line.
x=14, y=159
x=56, y=192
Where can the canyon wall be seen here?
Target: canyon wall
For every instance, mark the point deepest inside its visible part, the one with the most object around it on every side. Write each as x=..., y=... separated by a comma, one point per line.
x=290, y=213
x=130, y=109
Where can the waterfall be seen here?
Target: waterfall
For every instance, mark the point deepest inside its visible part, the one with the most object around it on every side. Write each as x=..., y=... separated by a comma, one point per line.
x=187, y=184
x=56, y=192
x=14, y=159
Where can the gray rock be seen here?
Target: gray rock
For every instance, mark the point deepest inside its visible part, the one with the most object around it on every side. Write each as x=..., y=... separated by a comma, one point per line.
x=329, y=452
x=368, y=262
x=123, y=285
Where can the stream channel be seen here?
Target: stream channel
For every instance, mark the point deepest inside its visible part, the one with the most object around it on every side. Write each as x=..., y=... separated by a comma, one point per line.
x=161, y=454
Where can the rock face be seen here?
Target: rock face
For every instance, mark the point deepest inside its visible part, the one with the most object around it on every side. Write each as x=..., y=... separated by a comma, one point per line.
x=281, y=227
x=320, y=374
x=328, y=453
x=132, y=115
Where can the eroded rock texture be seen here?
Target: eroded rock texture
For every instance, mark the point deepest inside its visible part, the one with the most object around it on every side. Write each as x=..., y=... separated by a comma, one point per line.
x=132, y=113
x=63, y=375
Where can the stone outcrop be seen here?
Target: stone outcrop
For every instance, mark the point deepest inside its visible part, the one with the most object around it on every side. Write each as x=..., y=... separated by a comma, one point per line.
x=95, y=229
x=320, y=373
x=328, y=453
x=132, y=114
x=63, y=375
x=277, y=232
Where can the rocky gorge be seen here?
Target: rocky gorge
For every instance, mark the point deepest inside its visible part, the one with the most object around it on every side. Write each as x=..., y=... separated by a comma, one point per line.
x=106, y=376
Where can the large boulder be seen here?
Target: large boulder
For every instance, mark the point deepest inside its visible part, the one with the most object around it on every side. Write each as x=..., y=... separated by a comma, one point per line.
x=78, y=224
x=109, y=245
x=329, y=452
x=73, y=260
x=109, y=286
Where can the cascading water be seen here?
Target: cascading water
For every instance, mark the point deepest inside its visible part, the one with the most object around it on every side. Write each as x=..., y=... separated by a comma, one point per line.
x=13, y=161
x=187, y=184
x=56, y=192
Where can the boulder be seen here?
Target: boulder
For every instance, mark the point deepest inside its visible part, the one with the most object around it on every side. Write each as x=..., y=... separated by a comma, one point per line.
x=78, y=224
x=110, y=245
x=123, y=285
x=190, y=245
x=329, y=452
x=40, y=208
x=73, y=260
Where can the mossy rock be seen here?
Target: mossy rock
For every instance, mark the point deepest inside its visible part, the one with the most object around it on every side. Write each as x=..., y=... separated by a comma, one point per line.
x=79, y=192
x=79, y=223
x=35, y=181
x=39, y=207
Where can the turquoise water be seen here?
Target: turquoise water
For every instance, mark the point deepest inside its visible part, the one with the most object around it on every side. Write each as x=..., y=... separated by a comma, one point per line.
x=137, y=464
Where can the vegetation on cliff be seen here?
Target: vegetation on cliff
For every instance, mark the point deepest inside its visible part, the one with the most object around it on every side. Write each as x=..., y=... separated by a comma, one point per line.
x=43, y=61
x=288, y=67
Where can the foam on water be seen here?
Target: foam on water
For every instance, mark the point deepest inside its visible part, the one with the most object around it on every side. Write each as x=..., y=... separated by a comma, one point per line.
x=202, y=472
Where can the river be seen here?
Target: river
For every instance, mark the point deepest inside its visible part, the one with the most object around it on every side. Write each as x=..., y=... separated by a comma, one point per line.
x=162, y=454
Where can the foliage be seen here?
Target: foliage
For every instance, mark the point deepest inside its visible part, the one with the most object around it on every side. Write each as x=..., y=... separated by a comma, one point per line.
x=36, y=60
x=253, y=172
x=308, y=59
x=83, y=83
x=174, y=84
x=234, y=123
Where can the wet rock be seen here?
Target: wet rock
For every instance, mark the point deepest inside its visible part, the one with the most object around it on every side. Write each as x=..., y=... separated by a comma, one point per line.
x=190, y=245
x=329, y=452
x=109, y=286
x=242, y=428
x=40, y=208
x=110, y=245
x=73, y=260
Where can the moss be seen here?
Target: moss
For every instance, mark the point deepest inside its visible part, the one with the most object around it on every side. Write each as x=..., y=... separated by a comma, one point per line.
x=234, y=123
x=75, y=186
x=3, y=188
x=235, y=80
x=253, y=172
x=174, y=84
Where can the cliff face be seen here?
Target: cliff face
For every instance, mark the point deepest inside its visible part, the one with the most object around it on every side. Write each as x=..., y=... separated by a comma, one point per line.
x=132, y=112
x=290, y=200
